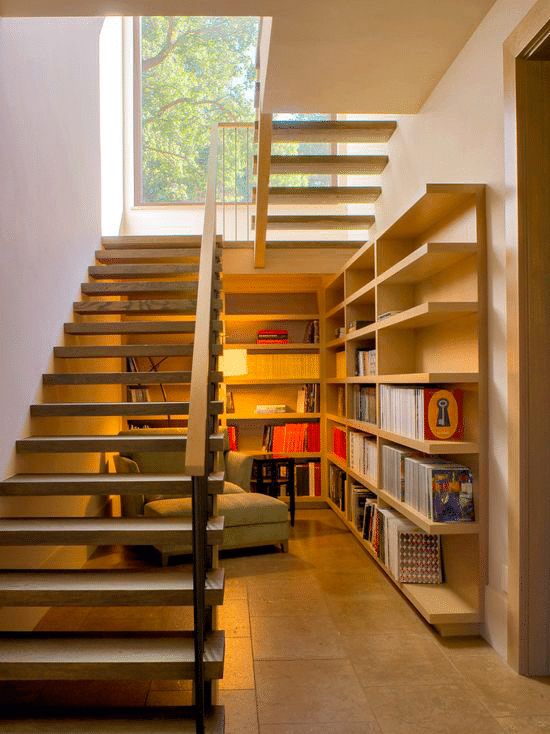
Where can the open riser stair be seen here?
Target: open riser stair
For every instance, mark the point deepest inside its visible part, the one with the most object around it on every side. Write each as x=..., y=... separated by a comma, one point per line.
x=318, y=206
x=134, y=333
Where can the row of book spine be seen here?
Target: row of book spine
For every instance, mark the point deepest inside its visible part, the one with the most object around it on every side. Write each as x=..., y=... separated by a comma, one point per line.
x=410, y=555
x=363, y=455
x=364, y=403
x=308, y=398
x=339, y=442
x=365, y=362
x=337, y=486
x=283, y=366
x=292, y=438
x=440, y=490
x=406, y=410
x=307, y=479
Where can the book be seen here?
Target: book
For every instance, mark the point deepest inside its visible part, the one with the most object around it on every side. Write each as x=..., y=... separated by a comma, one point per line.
x=232, y=433
x=358, y=324
x=270, y=408
x=311, y=335
x=422, y=413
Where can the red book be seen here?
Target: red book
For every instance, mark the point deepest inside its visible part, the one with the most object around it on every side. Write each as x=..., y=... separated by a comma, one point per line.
x=317, y=474
x=278, y=443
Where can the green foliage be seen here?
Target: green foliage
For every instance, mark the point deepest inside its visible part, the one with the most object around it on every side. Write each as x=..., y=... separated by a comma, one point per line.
x=196, y=71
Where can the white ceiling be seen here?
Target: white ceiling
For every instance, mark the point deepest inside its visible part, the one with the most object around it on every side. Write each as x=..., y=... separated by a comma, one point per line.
x=377, y=56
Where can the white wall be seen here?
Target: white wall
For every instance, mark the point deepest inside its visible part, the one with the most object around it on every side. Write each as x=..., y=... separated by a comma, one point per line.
x=458, y=136
x=49, y=217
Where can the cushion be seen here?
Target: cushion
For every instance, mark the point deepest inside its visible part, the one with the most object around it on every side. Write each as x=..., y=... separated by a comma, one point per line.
x=243, y=508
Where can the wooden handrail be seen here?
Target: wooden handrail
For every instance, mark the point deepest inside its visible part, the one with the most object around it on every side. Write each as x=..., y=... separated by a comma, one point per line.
x=197, y=436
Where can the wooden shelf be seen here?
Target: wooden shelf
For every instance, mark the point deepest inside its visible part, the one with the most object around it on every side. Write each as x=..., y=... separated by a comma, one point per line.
x=430, y=377
x=272, y=416
x=429, y=259
x=335, y=310
x=440, y=528
x=337, y=460
x=269, y=380
x=236, y=317
x=361, y=333
x=428, y=314
x=336, y=380
x=363, y=426
x=302, y=347
x=335, y=343
x=369, y=483
x=432, y=447
x=336, y=418
x=289, y=454
x=365, y=294
x=356, y=380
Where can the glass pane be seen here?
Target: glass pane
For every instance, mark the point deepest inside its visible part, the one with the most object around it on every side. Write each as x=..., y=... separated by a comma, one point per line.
x=195, y=71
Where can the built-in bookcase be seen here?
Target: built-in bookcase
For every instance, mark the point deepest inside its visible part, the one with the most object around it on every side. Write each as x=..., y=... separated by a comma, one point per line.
x=275, y=372
x=412, y=304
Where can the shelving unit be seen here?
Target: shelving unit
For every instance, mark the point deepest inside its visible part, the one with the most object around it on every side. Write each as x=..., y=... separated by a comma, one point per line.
x=421, y=289
x=259, y=302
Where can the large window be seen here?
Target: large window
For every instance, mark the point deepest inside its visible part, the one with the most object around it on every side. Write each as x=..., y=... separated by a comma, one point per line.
x=192, y=73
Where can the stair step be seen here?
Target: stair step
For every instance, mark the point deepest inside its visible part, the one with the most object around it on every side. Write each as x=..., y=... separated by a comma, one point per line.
x=28, y=485
x=124, y=350
x=150, y=442
x=154, y=306
x=149, y=254
x=135, y=327
x=333, y=131
x=323, y=194
x=152, y=720
x=343, y=164
x=139, y=287
x=104, y=531
x=107, y=656
x=317, y=244
x=109, y=587
x=146, y=720
x=318, y=221
x=110, y=272
x=42, y=410
x=162, y=241
x=122, y=378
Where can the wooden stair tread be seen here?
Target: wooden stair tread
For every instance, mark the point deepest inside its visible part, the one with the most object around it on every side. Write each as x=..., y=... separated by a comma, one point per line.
x=150, y=254
x=102, y=409
x=125, y=350
x=109, y=587
x=154, y=240
x=154, y=306
x=107, y=656
x=104, y=531
x=98, y=720
x=132, y=288
x=110, y=272
x=104, y=484
x=150, y=442
x=317, y=244
x=318, y=221
x=323, y=194
x=350, y=164
x=122, y=378
x=135, y=327
x=330, y=131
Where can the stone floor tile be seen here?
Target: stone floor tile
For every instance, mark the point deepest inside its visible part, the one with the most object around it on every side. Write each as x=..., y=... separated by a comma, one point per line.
x=241, y=715
x=295, y=637
x=525, y=724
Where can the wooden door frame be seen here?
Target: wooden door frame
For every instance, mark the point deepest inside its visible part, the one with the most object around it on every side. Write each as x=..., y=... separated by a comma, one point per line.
x=529, y=569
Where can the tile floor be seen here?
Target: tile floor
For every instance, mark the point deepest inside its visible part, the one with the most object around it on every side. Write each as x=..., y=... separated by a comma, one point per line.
x=320, y=642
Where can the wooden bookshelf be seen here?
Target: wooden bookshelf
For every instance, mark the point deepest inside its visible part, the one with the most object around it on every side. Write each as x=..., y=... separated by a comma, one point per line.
x=428, y=271
x=271, y=302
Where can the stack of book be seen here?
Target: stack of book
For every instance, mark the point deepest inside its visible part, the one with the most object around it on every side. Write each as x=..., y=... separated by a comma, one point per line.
x=311, y=335
x=272, y=336
x=292, y=438
x=359, y=497
x=364, y=403
x=308, y=398
x=339, y=442
x=439, y=489
x=410, y=555
x=337, y=486
x=422, y=413
x=307, y=479
x=365, y=362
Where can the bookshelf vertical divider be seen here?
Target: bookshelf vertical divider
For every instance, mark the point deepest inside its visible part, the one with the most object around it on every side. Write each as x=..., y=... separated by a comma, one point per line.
x=410, y=309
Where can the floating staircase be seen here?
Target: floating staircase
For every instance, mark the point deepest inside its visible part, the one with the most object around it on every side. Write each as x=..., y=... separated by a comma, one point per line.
x=127, y=306
x=303, y=198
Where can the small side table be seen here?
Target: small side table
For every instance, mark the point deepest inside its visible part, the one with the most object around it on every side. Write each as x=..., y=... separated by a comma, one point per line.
x=270, y=473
